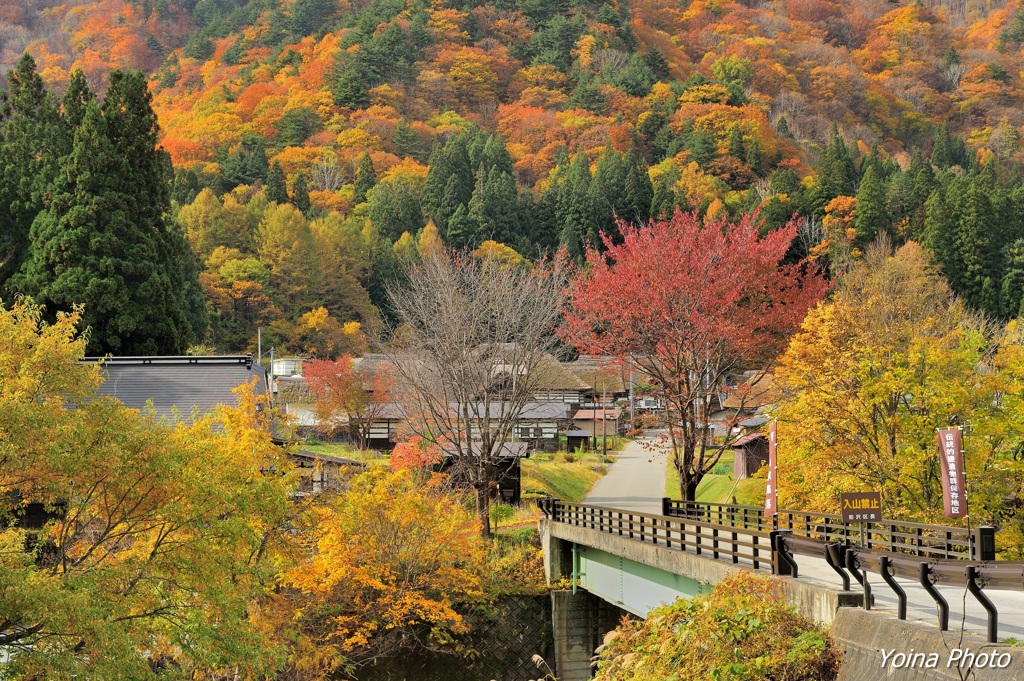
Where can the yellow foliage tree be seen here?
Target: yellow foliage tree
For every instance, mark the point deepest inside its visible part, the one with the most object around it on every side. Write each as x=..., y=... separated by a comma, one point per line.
x=394, y=560
x=872, y=374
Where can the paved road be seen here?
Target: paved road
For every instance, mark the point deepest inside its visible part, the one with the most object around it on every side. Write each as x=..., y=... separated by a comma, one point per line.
x=636, y=481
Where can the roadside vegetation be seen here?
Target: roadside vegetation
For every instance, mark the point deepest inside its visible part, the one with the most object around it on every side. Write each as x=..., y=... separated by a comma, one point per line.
x=741, y=630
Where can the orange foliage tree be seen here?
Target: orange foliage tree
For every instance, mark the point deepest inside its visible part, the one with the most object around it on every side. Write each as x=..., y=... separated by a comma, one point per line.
x=394, y=561
x=347, y=396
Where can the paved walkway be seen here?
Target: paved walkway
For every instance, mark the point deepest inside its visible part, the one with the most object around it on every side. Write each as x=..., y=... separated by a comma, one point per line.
x=636, y=482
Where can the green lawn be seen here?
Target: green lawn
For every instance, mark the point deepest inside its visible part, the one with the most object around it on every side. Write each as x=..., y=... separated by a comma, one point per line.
x=720, y=487
x=569, y=481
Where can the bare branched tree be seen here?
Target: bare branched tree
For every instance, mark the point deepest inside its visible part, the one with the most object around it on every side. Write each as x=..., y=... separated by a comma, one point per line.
x=327, y=174
x=473, y=340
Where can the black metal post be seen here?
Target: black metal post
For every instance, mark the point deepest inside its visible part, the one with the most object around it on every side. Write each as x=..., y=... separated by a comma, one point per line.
x=862, y=577
x=990, y=608
x=834, y=556
x=940, y=602
x=901, y=595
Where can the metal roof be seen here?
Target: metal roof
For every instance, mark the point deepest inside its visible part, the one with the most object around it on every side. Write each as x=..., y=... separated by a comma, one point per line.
x=178, y=383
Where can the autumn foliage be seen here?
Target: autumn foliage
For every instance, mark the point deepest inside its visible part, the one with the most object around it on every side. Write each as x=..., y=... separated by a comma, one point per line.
x=395, y=560
x=689, y=301
x=347, y=397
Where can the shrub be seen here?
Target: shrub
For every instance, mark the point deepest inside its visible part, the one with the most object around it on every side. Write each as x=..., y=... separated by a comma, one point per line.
x=742, y=631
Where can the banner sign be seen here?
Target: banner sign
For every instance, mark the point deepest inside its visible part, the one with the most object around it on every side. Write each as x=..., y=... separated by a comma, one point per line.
x=951, y=471
x=861, y=507
x=771, y=496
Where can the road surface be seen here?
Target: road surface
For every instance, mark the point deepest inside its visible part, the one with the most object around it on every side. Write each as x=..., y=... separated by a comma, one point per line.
x=636, y=481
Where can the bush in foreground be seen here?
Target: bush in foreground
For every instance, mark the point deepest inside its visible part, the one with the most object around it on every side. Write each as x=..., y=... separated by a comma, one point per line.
x=742, y=631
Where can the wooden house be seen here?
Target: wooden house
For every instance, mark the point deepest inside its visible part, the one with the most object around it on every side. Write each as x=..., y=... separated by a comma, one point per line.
x=750, y=452
x=603, y=421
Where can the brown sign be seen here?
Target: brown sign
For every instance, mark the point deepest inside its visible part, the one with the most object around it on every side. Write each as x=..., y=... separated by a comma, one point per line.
x=861, y=507
x=951, y=472
x=771, y=492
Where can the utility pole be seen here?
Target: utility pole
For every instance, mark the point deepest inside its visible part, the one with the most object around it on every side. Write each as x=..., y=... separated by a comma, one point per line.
x=259, y=345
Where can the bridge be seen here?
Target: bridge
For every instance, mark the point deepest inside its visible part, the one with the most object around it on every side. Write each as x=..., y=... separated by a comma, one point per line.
x=920, y=573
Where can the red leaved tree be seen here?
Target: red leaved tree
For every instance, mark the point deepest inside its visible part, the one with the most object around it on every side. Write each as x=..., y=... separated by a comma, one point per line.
x=688, y=303
x=348, y=396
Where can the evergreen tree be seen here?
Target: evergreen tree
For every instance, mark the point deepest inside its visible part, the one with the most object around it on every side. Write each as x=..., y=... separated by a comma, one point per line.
x=940, y=236
x=657, y=63
x=607, y=192
x=495, y=155
x=310, y=16
x=76, y=99
x=300, y=193
x=462, y=229
x=639, y=192
x=782, y=128
x=872, y=215
x=1012, y=289
x=406, y=141
x=449, y=181
x=366, y=178
x=29, y=154
x=395, y=208
x=277, y=189
x=246, y=165
x=736, y=148
x=102, y=239
x=702, y=148
x=574, y=208
x=754, y=159
x=837, y=174
x=978, y=256
x=664, y=199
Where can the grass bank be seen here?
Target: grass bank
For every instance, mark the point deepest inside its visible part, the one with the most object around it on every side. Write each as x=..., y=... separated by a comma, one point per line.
x=719, y=486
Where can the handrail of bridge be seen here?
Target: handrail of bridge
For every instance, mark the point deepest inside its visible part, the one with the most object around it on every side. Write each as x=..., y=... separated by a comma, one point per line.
x=894, y=536
x=933, y=556
x=683, y=534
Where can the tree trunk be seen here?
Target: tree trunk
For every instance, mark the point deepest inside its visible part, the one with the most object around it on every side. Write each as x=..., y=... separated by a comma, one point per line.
x=483, y=511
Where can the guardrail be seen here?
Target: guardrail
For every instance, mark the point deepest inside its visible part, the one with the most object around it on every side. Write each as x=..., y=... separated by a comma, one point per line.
x=927, y=554
x=894, y=536
x=683, y=534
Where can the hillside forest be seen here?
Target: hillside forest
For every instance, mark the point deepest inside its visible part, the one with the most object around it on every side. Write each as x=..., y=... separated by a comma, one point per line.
x=306, y=150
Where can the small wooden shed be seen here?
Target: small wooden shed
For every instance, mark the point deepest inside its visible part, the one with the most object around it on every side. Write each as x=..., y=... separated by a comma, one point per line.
x=750, y=452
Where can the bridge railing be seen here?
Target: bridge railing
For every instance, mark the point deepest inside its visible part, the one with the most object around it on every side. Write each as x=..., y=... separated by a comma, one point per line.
x=927, y=554
x=937, y=542
x=734, y=543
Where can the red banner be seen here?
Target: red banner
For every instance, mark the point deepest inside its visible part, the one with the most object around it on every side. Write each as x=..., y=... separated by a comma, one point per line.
x=771, y=492
x=951, y=471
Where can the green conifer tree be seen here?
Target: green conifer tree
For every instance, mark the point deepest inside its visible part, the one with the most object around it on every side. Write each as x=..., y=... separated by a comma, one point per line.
x=736, y=147
x=872, y=214
x=300, y=193
x=33, y=140
x=366, y=178
x=277, y=188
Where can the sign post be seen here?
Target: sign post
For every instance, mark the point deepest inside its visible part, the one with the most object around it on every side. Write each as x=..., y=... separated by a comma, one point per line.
x=771, y=492
x=951, y=472
x=861, y=507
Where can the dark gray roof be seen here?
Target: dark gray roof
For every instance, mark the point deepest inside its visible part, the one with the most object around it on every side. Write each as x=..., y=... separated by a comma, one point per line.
x=181, y=383
x=507, y=450
x=531, y=411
